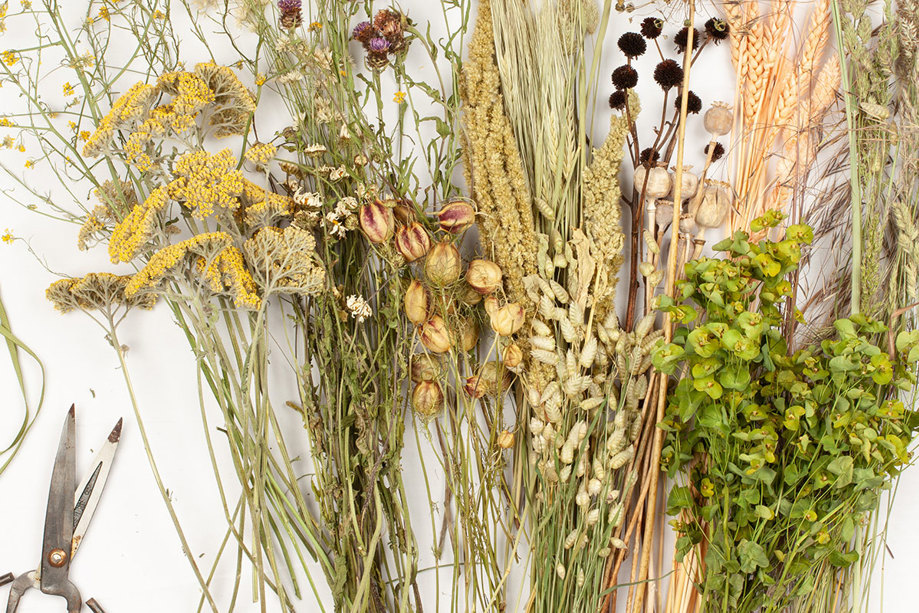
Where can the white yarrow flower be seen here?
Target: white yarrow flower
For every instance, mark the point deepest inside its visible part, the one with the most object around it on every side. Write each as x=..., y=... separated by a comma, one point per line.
x=360, y=309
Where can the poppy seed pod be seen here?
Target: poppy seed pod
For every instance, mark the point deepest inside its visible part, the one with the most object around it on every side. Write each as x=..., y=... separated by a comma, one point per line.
x=443, y=265
x=435, y=336
x=483, y=276
x=377, y=222
x=412, y=242
x=689, y=183
x=507, y=319
x=718, y=119
x=658, y=184
x=426, y=367
x=469, y=335
x=455, y=217
x=427, y=398
x=716, y=202
x=512, y=355
x=417, y=307
x=663, y=214
x=505, y=439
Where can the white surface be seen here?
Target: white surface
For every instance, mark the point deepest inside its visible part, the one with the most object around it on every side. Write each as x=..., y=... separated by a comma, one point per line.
x=131, y=560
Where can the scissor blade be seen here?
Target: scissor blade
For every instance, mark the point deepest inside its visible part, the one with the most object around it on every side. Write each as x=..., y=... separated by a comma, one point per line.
x=90, y=490
x=56, y=545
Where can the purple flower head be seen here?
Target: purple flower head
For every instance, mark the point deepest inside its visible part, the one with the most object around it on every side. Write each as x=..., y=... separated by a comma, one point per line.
x=379, y=45
x=362, y=31
x=289, y=6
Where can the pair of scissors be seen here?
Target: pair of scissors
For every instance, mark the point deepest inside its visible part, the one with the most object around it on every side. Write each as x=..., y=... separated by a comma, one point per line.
x=70, y=509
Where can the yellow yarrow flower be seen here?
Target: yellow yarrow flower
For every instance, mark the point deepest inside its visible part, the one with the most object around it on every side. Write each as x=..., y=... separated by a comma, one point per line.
x=168, y=258
x=227, y=273
x=207, y=183
x=136, y=230
x=261, y=153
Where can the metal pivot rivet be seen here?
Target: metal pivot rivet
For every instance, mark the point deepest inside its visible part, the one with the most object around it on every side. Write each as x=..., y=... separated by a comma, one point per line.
x=57, y=558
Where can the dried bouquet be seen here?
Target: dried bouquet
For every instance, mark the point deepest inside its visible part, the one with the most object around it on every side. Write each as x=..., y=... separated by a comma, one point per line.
x=495, y=295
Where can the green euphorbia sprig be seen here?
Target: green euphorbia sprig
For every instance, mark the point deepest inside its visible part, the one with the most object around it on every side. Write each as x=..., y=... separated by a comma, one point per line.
x=776, y=456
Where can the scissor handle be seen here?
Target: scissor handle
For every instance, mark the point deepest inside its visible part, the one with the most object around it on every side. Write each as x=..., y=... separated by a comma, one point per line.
x=65, y=590
x=94, y=606
x=7, y=578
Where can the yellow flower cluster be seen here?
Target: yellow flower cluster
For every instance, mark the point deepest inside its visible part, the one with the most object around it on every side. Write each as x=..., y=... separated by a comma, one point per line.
x=226, y=273
x=93, y=227
x=261, y=153
x=264, y=208
x=191, y=93
x=206, y=183
x=169, y=258
x=10, y=58
x=137, y=229
x=127, y=110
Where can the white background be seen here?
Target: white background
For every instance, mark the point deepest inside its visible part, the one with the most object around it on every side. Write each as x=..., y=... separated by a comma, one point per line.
x=132, y=560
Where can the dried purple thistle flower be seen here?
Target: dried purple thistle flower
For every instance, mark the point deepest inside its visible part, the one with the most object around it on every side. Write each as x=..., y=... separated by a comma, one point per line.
x=379, y=45
x=362, y=32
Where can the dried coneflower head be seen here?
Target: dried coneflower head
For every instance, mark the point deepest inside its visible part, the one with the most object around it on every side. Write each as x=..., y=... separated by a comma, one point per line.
x=718, y=153
x=651, y=27
x=717, y=29
x=625, y=77
x=618, y=100
x=649, y=156
x=668, y=74
x=632, y=45
x=682, y=37
x=693, y=103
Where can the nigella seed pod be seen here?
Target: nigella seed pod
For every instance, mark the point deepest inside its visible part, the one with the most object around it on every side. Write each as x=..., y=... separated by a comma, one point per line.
x=427, y=398
x=483, y=276
x=658, y=182
x=412, y=242
x=443, y=265
x=377, y=222
x=716, y=202
x=468, y=295
x=719, y=119
x=508, y=319
x=512, y=355
x=469, y=335
x=417, y=306
x=404, y=212
x=426, y=367
x=435, y=336
x=490, y=380
x=456, y=217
